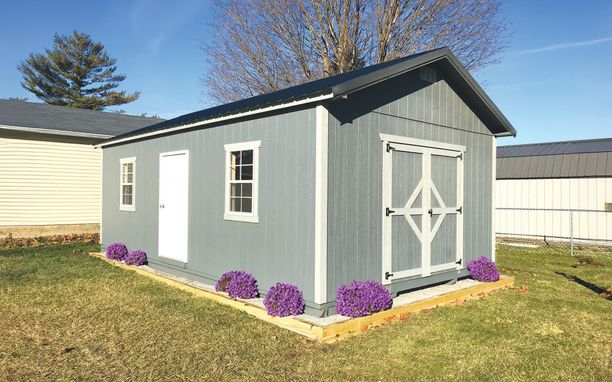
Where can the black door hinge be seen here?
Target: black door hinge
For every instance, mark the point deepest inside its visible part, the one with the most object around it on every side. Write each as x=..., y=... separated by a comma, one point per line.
x=390, y=148
x=387, y=275
x=459, y=262
x=460, y=210
x=460, y=156
x=388, y=211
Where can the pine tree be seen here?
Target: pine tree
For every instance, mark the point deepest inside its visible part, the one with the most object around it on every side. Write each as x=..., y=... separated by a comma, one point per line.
x=77, y=72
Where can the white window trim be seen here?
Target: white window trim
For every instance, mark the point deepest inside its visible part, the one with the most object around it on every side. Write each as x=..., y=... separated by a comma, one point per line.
x=252, y=217
x=127, y=207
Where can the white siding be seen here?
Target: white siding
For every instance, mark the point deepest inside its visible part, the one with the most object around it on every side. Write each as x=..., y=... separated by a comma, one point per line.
x=49, y=183
x=562, y=194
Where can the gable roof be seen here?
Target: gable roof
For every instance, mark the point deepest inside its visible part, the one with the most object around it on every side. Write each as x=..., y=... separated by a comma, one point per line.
x=567, y=159
x=68, y=121
x=339, y=86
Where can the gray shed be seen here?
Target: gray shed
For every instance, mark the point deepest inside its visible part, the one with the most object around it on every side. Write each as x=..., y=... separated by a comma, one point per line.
x=384, y=173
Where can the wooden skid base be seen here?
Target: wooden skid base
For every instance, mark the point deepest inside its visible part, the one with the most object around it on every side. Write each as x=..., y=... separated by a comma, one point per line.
x=333, y=332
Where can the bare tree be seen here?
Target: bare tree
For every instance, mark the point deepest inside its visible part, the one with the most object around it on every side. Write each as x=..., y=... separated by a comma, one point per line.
x=260, y=46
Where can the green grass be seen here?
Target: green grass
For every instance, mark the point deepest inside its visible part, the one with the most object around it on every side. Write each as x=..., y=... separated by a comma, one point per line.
x=68, y=316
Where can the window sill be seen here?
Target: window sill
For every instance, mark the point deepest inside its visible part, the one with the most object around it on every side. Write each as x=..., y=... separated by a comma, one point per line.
x=127, y=208
x=241, y=218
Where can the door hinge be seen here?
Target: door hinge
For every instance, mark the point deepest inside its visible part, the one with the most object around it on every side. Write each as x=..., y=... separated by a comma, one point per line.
x=389, y=147
x=460, y=210
x=430, y=212
x=459, y=262
x=460, y=156
x=387, y=275
x=388, y=211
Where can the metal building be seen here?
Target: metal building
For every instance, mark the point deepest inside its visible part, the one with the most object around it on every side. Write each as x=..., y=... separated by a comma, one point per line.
x=384, y=173
x=557, y=190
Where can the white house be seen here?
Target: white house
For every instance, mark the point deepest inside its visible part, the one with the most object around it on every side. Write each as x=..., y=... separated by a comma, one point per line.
x=50, y=174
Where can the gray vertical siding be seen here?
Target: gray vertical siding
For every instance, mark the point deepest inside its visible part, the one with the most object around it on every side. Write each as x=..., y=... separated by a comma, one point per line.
x=405, y=106
x=278, y=248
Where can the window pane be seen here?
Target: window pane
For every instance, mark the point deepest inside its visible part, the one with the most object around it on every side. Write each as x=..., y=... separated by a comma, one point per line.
x=247, y=157
x=246, y=205
x=247, y=190
x=130, y=176
x=235, y=158
x=127, y=199
x=235, y=173
x=247, y=173
x=127, y=190
x=235, y=204
x=235, y=189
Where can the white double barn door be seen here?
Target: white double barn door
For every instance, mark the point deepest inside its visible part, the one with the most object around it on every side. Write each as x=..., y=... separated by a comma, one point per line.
x=422, y=208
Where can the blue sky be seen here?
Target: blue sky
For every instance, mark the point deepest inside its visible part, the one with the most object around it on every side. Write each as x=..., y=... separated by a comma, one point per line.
x=554, y=81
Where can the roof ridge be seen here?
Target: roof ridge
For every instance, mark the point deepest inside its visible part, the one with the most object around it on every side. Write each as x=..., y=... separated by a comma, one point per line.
x=558, y=142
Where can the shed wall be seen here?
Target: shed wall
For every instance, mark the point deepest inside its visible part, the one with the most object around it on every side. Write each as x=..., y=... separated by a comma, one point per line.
x=406, y=106
x=278, y=248
x=549, y=202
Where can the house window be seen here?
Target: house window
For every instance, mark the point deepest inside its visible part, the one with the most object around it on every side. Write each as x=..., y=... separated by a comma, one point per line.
x=127, y=184
x=241, y=180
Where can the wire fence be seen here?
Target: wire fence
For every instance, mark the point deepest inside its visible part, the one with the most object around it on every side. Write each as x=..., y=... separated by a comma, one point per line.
x=563, y=231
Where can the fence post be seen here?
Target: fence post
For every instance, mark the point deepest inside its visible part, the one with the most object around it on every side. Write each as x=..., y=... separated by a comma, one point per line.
x=571, y=232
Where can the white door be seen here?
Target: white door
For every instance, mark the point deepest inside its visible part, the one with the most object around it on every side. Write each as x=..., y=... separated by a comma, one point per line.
x=422, y=208
x=173, y=205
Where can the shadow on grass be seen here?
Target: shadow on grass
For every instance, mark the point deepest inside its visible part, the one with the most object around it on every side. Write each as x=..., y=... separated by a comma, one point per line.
x=601, y=292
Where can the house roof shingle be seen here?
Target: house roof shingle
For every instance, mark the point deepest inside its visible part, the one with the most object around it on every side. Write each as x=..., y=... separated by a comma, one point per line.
x=45, y=118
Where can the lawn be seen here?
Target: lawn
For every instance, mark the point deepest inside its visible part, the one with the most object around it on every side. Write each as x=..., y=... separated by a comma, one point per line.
x=68, y=316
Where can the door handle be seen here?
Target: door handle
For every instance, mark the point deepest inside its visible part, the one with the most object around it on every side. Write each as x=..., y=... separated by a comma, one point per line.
x=162, y=206
x=430, y=212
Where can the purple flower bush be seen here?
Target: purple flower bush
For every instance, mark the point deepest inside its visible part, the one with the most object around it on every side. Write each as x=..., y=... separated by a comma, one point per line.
x=483, y=269
x=284, y=300
x=362, y=298
x=116, y=251
x=238, y=284
x=136, y=257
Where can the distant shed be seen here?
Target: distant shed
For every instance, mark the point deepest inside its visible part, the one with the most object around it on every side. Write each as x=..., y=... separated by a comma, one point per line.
x=539, y=184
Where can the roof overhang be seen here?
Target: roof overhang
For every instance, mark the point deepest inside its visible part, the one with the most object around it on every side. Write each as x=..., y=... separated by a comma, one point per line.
x=36, y=130
x=219, y=119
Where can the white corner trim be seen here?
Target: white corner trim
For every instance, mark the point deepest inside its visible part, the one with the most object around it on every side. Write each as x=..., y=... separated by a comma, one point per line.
x=127, y=207
x=420, y=142
x=221, y=119
x=321, y=158
x=493, y=179
x=252, y=217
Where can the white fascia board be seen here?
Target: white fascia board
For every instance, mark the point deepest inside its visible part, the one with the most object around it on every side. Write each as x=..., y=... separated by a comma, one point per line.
x=54, y=132
x=221, y=119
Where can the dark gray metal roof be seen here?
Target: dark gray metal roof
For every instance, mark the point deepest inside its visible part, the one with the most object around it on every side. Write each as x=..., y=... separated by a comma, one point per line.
x=569, y=159
x=343, y=84
x=60, y=120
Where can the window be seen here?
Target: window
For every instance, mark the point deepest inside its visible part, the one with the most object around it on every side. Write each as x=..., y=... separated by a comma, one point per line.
x=241, y=172
x=127, y=184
